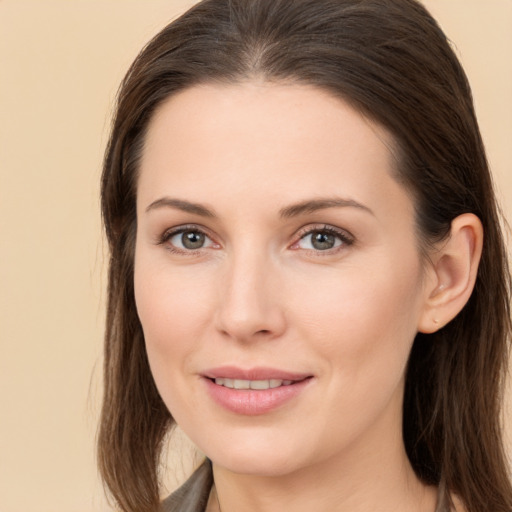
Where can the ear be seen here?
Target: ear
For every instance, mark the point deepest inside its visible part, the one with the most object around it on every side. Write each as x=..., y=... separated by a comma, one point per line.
x=452, y=275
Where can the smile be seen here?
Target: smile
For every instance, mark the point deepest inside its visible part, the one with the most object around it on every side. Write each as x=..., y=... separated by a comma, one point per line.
x=252, y=384
x=255, y=391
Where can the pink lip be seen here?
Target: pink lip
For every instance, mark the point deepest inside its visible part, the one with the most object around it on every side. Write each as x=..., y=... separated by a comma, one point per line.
x=252, y=402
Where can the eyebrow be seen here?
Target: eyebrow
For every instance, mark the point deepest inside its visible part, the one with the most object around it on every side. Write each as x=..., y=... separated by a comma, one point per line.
x=314, y=205
x=180, y=204
x=294, y=210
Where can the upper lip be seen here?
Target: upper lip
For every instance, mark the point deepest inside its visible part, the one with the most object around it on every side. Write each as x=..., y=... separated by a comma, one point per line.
x=258, y=373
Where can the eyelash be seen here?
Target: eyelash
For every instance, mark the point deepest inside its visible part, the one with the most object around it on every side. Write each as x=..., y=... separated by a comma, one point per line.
x=343, y=236
x=170, y=233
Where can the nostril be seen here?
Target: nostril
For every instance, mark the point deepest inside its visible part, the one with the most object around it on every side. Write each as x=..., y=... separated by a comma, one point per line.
x=242, y=321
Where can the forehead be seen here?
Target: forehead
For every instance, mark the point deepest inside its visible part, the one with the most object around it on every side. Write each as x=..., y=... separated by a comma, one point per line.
x=266, y=140
x=262, y=109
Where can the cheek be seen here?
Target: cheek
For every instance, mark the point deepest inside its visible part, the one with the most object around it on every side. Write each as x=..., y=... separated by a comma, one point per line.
x=363, y=329
x=365, y=319
x=173, y=311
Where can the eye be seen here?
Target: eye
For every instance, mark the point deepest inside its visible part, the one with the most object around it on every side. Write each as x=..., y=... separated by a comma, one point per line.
x=323, y=239
x=187, y=239
x=319, y=241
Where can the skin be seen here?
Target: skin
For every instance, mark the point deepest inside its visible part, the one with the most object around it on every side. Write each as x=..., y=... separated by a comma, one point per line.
x=258, y=293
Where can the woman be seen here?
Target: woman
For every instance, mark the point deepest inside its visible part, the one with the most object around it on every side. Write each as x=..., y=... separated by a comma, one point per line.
x=307, y=270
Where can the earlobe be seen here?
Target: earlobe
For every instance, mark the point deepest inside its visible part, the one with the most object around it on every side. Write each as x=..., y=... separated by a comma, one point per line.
x=453, y=273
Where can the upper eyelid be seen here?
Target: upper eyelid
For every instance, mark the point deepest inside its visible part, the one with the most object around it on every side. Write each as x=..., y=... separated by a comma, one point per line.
x=186, y=227
x=343, y=233
x=168, y=233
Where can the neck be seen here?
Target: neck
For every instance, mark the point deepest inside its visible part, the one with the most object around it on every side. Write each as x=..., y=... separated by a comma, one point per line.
x=371, y=475
x=404, y=493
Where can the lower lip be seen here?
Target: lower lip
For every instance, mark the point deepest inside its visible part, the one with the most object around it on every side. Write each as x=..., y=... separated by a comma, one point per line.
x=251, y=402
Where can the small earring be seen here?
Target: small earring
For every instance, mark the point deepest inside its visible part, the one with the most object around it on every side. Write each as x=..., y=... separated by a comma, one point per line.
x=436, y=321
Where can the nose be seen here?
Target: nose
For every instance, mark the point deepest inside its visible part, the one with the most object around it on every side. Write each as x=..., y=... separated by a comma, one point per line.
x=250, y=300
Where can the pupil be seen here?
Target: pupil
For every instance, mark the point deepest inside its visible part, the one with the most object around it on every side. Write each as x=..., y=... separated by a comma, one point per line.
x=192, y=240
x=322, y=241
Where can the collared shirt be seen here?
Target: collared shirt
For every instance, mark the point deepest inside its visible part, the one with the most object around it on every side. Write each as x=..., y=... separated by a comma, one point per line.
x=193, y=495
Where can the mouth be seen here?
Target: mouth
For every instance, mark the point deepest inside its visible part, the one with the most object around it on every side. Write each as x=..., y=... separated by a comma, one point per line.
x=254, y=392
x=252, y=384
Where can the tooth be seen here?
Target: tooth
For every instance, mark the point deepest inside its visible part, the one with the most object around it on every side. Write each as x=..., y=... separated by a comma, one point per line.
x=260, y=384
x=241, y=384
x=251, y=384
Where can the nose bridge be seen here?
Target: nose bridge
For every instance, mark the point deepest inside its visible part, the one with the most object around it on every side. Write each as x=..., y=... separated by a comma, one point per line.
x=249, y=303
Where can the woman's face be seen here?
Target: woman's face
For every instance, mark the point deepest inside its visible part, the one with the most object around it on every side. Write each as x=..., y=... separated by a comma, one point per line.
x=277, y=275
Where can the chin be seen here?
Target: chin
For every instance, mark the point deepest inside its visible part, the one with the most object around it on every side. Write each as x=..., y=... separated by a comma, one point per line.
x=264, y=455
x=261, y=464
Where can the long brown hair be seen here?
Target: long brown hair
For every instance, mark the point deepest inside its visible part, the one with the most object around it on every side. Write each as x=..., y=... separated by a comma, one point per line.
x=390, y=60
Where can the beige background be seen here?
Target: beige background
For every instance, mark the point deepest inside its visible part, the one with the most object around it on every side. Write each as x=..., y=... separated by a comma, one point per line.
x=60, y=64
